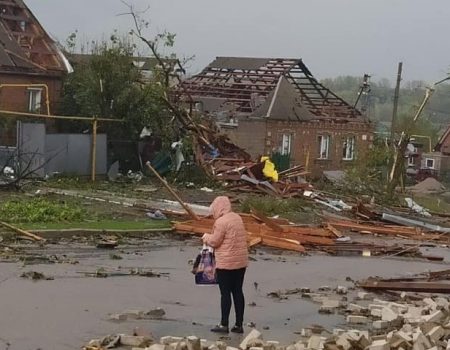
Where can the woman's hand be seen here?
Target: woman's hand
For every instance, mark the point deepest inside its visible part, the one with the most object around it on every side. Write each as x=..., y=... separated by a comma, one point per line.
x=204, y=237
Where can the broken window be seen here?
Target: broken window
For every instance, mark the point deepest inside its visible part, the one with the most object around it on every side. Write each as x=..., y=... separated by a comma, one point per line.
x=429, y=163
x=348, y=148
x=286, y=144
x=324, y=145
x=34, y=100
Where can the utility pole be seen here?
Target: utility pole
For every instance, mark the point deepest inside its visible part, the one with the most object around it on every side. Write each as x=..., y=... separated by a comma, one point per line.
x=396, y=96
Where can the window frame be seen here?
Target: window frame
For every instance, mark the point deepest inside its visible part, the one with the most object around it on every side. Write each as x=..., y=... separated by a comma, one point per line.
x=346, y=150
x=409, y=161
x=426, y=163
x=321, y=139
x=283, y=149
x=37, y=92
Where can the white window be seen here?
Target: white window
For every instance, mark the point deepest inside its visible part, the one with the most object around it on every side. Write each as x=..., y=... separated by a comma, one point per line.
x=324, y=146
x=286, y=144
x=34, y=100
x=348, y=148
x=411, y=161
x=429, y=163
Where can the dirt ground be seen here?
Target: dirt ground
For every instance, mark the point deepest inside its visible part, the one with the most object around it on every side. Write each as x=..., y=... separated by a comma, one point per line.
x=68, y=311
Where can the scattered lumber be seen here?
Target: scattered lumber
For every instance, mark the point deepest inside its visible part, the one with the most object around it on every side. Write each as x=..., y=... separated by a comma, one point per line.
x=266, y=231
x=418, y=287
x=22, y=232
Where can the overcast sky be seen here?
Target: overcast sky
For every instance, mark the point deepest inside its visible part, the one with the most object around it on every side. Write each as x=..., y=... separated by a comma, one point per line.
x=334, y=37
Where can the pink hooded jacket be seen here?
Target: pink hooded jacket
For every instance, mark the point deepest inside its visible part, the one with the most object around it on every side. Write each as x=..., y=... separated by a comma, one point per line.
x=228, y=238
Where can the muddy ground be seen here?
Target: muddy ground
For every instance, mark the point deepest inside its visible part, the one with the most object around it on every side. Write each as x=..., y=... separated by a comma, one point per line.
x=66, y=312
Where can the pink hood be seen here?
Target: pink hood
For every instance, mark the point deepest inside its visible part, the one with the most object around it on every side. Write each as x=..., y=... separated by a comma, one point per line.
x=220, y=206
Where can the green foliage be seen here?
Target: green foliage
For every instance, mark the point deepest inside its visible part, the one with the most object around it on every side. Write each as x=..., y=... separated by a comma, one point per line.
x=273, y=206
x=382, y=95
x=109, y=85
x=368, y=175
x=40, y=210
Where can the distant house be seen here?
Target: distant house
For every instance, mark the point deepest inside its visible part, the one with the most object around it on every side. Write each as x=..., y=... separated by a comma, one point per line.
x=437, y=162
x=32, y=67
x=276, y=106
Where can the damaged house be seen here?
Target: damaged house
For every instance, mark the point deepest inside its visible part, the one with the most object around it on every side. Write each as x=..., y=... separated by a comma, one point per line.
x=275, y=106
x=32, y=67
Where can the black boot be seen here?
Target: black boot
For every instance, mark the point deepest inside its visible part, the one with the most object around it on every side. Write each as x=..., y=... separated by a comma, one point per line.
x=220, y=329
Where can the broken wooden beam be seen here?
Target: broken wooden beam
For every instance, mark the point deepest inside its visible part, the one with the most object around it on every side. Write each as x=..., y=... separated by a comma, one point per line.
x=418, y=287
x=22, y=232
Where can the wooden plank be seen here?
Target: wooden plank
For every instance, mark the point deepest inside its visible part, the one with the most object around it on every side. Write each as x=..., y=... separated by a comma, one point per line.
x=418, y=287
x=22, y=232
x=269, y=222
x=334, y=230
x=283, y=244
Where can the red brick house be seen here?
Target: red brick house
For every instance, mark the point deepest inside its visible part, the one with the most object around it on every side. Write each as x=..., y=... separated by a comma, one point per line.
x=32, y=67
x=275, y=105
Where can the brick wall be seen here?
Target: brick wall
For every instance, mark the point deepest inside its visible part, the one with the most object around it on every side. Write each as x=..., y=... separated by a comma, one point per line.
x=17, y=99
x=304, y=141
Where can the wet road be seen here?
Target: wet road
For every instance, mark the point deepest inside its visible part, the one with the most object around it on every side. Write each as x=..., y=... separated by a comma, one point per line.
x=68, y=311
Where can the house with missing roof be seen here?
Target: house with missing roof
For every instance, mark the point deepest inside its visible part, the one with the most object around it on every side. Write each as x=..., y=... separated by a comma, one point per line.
x=32, y=67
x=275, y=106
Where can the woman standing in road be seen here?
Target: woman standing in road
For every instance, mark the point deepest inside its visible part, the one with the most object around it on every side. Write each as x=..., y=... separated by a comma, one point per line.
x=229, y=239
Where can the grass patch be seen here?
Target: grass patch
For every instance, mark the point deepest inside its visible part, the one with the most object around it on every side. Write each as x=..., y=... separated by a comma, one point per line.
x=273, y=206
x=434, y=203
x=100, y=225
x=41, y=210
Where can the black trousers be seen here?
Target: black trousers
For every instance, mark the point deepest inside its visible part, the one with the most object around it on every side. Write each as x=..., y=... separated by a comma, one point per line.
x=230, y=284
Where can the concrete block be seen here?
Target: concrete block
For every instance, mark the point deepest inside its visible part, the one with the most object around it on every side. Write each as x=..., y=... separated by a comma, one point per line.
x=299, y=346
x=376, y=312
x=255, y=343
x=363, y=296
x=329, y=306
x=355, y=308
x=430, y=303
x=315, y=342
x=158, y=347
x=341, y=290
x=435, y=316
x=338, y=331
x=436, y=334
x=194, y=343
x=135, y=340
x=134, y=314
x=381, y=324
x=379, y=345
x=254, y=334
x=420, y=341
x=169, y=340
x=388, y=314
x=306, y=332
x=442, y=303
x=343, y=342
x=118, y=317
x=376, y=306
x=256, y=348
x=353, y=319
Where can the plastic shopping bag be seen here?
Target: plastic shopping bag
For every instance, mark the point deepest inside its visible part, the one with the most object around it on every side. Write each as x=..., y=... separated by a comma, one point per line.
x=205, y=267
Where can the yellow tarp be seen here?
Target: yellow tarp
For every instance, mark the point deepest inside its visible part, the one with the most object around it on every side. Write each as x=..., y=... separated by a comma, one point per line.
x=269, y=170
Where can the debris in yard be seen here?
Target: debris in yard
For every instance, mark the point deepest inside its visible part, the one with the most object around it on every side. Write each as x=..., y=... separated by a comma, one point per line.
x=416, y=207
x=155, y=314
x=115, y=257
x=156, y=215
x=36, y=276
x=432, y=282
x=22, y=232
x=429, y=185
x=107, y=244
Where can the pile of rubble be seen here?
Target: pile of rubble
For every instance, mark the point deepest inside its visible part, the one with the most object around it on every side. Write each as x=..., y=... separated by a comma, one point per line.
x=383, y=325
